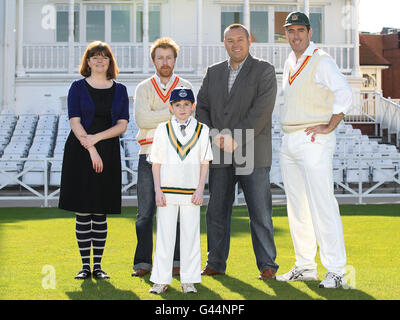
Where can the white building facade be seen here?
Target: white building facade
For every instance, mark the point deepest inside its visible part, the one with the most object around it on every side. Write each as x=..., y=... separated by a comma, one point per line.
x=44, y=40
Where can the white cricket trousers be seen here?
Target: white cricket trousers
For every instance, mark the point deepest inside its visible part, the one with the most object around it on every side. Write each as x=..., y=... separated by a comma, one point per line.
x=313, y=211
x=190, y=255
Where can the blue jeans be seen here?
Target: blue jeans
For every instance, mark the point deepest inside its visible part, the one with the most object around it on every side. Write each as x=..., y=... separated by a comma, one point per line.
x=256, y=188
x=144, y=222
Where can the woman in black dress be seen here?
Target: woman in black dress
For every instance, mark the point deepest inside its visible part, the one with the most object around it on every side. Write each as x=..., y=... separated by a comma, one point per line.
x=98, y=109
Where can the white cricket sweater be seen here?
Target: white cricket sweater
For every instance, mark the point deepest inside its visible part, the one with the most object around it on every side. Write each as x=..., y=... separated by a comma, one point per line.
x=305, y=103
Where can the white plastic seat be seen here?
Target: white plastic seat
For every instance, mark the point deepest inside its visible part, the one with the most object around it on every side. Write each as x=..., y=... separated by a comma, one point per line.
x=55, y=170
x=46, y=126
x=59, y=148
x=337, y=175
x=383, y=169
x=40, y=149
x=23, y=132
x=7, y=124
x=4, y=139
x=63, y=132
x=8, y=112
x=28, y=116
x=131, y=147
x=12, y=168
x=133, y=164
x=340, y=148
x=42, y=140
x=20, y=140
x=48, y=111
x=5, y=132
x=275, y=173
x=35, y=176
x=128, y=134
x=356, y=169
x=15, y=149
x=63, y=124
x=124, y=173
x=44, y=132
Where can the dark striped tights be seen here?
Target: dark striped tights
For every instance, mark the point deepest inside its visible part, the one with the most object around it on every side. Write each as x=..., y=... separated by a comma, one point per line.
x=91, y=232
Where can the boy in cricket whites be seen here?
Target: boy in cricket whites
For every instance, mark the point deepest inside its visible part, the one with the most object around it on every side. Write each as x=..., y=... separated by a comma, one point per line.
x=180, y=157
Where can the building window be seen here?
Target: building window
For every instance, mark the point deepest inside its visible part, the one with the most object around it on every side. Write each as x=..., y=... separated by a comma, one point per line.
x=120, y=23
x=95, y=23
x=230, y=15
x=258, y=21
x=154, y=23
x=62, y=23
x=316, y=21
x=316, y=24
x=281, y=12
x=370, y=82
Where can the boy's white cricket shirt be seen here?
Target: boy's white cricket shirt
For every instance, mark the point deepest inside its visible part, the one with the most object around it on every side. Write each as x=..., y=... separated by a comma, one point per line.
x=180, y=158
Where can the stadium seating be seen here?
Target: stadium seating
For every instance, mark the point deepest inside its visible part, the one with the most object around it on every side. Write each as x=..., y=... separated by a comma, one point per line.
x=27, y=139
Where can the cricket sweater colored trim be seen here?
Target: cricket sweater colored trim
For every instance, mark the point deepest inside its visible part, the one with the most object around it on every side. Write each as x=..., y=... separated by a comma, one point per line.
x=183, y=150
x=305, y=103
x=151, y=107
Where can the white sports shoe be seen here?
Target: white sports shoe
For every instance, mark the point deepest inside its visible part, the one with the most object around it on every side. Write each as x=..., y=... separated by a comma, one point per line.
x=188, y=288
x=331, y=281
x=298, y=274
x=158, y=288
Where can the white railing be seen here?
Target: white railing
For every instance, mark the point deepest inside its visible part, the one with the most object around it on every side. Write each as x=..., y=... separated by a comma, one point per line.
x=40, y=185
x=361, y=177
x=388, y=116
x=372, y=107
x=357, y=176
x=129, y=57
x=43, y=58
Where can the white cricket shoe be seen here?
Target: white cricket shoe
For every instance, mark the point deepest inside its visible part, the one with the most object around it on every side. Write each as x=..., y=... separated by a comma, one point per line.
x=332, y=280
x=188, y=288
x=299, y=274
x=158, y=288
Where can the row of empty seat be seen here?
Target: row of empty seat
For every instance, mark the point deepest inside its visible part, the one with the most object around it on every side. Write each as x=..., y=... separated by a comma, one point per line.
x=28, y=139
x=357, y=158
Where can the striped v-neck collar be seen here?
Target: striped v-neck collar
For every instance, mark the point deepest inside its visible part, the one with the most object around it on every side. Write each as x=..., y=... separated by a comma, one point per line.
x=302, y=66
x=183, y=149
x=164, y=97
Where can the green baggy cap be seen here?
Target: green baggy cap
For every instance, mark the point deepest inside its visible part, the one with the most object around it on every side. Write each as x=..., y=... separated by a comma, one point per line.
x=298, y=18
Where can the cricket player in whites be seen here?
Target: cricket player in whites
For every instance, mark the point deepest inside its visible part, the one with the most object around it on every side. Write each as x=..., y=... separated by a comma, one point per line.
x=316, y=98
x=180, y=158
x=151, y=107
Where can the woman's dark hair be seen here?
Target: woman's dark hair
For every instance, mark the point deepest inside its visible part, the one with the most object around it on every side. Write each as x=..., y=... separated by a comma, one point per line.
x=98, y=48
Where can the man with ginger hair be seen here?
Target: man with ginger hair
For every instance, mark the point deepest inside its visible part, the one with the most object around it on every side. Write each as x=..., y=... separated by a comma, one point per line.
x=151, y=107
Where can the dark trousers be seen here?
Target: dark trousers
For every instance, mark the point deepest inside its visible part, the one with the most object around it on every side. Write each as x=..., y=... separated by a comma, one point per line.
x=256, y=188
x=144, y=222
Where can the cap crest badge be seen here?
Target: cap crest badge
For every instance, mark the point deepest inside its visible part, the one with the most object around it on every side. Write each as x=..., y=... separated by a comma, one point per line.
x=182, y=93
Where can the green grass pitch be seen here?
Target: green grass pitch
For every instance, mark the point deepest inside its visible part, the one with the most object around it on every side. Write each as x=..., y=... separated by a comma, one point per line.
x=39, y=258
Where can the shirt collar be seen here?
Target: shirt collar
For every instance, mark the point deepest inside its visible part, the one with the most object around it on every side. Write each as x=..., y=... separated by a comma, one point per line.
x=171, y=80
x=175, y=120
x=308, y=52
x=239, y=66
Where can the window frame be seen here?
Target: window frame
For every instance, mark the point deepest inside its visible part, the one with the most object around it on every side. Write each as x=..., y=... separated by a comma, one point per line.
x=271, y=9
x=63, y=7
x=82, y=6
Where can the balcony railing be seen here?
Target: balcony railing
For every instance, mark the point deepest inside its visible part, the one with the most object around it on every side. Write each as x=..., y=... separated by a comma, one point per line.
x=49, y=58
